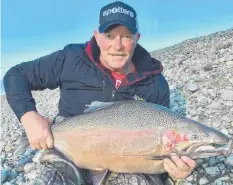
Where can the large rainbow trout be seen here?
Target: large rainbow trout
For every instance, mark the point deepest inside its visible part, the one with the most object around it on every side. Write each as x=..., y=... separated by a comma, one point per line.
x=133, y=137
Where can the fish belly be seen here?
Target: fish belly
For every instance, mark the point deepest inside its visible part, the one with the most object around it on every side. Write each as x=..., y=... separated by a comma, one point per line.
x=121, y=151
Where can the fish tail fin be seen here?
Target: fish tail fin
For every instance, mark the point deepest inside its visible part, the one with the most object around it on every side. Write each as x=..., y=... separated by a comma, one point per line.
x=97, y=177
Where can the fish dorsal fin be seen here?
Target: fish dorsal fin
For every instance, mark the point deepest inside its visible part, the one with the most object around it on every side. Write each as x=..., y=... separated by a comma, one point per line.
x=97, y=105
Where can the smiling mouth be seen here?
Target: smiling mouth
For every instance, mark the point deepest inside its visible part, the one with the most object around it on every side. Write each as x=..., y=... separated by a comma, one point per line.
x=120, y=55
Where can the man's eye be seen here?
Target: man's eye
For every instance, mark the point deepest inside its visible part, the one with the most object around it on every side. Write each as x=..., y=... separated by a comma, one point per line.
x=128, y=37
x=108, y=36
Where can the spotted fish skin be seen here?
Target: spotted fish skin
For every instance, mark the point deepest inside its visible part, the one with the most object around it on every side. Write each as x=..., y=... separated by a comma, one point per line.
x=121, y=137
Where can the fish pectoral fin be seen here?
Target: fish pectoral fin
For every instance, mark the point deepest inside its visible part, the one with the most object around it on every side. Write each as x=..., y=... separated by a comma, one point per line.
x=157, y=157
x=97, y=105
x=97, y=177
x=150, y=157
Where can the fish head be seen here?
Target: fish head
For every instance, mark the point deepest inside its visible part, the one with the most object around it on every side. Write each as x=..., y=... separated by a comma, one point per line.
x=196, y=140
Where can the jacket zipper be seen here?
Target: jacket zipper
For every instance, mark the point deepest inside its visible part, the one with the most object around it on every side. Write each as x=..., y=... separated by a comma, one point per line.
x=113, y=95
x=113, y=92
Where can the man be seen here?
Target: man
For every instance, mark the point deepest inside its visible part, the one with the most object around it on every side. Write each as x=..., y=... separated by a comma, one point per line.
x=112, y=66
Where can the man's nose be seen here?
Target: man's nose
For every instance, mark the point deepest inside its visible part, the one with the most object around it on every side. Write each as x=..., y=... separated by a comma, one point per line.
x=118, y=43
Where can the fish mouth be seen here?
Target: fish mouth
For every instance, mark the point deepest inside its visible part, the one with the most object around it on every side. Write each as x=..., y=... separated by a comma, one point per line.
x=210, y=149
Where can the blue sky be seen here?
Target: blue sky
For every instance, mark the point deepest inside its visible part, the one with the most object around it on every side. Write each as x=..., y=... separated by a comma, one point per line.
x=31, y=29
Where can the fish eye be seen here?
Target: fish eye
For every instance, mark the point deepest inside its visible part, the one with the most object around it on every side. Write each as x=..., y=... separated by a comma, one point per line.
x=194, y=136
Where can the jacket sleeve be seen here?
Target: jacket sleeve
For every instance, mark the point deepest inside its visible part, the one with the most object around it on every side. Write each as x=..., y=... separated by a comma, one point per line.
x=38, y=74
x=162, y=91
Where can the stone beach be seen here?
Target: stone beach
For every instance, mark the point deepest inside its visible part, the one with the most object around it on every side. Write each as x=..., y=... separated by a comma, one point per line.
x=200, y=75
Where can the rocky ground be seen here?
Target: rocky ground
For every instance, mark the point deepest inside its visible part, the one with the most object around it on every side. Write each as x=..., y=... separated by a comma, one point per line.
x=200, y=75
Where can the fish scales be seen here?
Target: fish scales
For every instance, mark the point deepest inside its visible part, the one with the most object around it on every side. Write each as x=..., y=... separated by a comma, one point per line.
x=139, y=114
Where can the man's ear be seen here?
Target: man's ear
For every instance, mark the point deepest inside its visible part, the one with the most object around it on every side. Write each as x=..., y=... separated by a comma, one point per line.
x=96, y=35
x=138, y=36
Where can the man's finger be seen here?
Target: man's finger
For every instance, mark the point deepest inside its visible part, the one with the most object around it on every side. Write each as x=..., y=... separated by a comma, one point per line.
x=37, y=145
x=180, y=163
x=32, y=146
x=43, y=145
x=169, y=166
x=49, y=141
x=189, y=161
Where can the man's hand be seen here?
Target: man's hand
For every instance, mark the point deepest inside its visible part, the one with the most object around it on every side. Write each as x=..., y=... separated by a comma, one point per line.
x=38, y=130
x=179, y=168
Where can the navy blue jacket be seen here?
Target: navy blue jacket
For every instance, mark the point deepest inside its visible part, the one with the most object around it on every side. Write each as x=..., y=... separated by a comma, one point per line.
x=77, y=71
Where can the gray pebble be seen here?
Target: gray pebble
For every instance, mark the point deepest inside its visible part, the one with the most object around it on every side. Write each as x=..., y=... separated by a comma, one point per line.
x=217, y=124
x=220, y=158
x=214, y=105
x=229, y=160
x=29, y=167
x=8, y=148
x=199, y=161
x=10, y=154
x=2, y=160
x=204, y=165
x=190, y=178
x=20, y=166
x=230, y=130
x=213, y=171
x=212, y=161
x=36, y=158
x=29, y=151
x=14, y=174
x=4, y=175
x=20, y=178
x=8, y=183
x=175, y=109
x=225, y=178
x=226, y=94
x=192, y=86
x=221, y=166
x=22, y=146
x=218, y=182
x=8, y=166
x=3, y=155
x=203, y=181
x=26, y=159
x=2, y=144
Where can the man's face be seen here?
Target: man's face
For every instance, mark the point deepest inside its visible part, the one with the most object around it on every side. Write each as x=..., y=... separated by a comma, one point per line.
x=116, y=47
